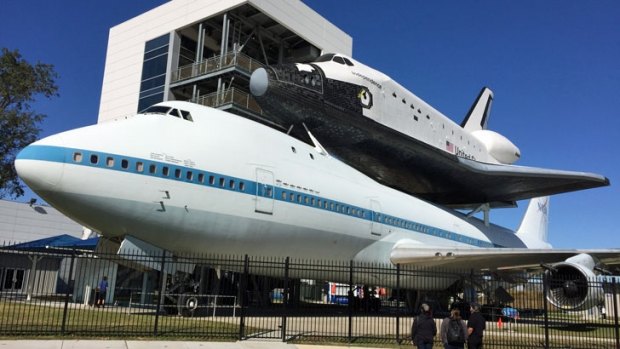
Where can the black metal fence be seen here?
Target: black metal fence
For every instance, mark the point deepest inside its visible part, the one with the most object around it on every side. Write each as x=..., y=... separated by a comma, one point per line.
x=237, y=298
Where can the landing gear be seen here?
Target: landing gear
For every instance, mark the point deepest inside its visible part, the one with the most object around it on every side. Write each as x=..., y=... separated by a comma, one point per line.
x=181, y=296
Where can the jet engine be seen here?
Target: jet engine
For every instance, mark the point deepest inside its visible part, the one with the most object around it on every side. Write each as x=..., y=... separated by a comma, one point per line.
x=572, y=284
x=498, y=146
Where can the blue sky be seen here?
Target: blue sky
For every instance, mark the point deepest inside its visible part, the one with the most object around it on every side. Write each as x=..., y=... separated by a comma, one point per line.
x=554, y=67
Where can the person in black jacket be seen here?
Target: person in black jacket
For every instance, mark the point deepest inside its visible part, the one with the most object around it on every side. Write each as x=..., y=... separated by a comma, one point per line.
x=475, y=328
x=423, y=329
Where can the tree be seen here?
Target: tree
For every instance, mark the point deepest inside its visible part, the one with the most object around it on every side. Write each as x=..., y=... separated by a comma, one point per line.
x=20, y=82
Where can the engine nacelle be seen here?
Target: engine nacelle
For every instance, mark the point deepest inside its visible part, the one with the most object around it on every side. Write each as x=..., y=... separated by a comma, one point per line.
x=498, y=146
x=572, y=284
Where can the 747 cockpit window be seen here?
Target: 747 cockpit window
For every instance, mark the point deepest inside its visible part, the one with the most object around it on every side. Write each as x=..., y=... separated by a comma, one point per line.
x=163, y=110
x=157, y=109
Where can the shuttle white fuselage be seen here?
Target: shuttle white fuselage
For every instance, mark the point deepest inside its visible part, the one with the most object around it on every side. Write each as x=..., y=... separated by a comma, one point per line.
x=375, y=125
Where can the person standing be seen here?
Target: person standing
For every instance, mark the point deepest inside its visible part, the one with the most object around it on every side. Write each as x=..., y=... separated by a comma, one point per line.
x=423, y=329
x=453, y=331
x=475, y=327
x=103, y=288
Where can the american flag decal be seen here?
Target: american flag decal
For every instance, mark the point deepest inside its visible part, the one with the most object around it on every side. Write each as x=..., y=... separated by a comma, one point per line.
x=449, y=147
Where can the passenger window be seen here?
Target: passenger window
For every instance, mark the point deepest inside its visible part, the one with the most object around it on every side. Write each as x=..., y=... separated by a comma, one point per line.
x=152, y=168
x=306, y=200
x=211, y=180
x=94, y=159
x=222, y=182
x=231, y=184
x=77, y=157
x=139, y=166
x=124, y=164
x=109, y=161
x=292, y=197
x=268, y=192
x=201, y=177
x=177, y=173
x=189, y=176
x=298, y=198
x=242, y=187
x=165, y=171
x=283, y=195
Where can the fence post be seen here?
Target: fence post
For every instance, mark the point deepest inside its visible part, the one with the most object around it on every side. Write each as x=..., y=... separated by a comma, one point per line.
x=162, y=289
x=242, y=290
x=350, y=302
x=69, y=290
x=398, y=304
x=546, y=308
x=285, y=296
x=615, y=303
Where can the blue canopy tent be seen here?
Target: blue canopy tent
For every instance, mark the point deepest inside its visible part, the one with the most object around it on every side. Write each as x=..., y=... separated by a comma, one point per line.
x=60, y=243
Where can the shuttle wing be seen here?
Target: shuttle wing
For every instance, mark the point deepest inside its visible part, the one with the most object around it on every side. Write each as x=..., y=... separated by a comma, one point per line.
x=501, y=183
x=446, y=179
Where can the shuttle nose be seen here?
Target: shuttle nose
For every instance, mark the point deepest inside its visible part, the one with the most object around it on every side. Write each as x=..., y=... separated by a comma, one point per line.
x=41, y=166
x=259, y=82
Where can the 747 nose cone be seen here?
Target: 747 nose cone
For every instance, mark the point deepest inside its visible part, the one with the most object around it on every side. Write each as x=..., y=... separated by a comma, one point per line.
x=40, y=167
x=259, y=82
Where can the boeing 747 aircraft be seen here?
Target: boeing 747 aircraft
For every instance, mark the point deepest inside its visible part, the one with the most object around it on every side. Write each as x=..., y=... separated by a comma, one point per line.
x=372, y=123
x=191, y=179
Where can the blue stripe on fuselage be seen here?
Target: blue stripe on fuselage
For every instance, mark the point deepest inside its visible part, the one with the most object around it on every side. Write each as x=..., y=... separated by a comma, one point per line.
x=220, y=181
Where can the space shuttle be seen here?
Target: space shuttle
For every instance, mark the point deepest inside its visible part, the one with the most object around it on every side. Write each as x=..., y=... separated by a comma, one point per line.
x=372, y=123
x=190, y=180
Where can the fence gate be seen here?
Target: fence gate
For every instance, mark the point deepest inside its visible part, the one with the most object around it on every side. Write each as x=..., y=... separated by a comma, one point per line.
x=265, y=301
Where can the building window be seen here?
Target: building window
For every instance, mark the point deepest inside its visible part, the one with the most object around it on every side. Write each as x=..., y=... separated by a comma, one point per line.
x=154, y=69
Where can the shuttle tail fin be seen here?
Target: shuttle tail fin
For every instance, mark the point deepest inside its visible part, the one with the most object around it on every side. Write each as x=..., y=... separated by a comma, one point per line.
x=478, y=115
x=533, y=230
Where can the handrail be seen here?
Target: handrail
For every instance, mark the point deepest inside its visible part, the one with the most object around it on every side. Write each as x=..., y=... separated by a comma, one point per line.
x=234, y=59
x=230, y=96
